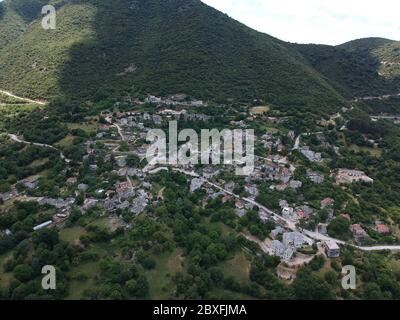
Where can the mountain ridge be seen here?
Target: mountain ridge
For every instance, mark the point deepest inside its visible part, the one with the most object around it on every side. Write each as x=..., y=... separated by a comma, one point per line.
x=129, y=47
x=173, y=46
x=362, y=67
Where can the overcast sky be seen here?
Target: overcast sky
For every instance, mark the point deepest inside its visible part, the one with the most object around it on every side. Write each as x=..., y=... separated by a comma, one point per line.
x=317, y=21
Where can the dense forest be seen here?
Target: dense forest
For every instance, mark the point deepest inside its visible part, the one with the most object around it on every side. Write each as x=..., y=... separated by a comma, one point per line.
x=365, y=67
x=100, y=49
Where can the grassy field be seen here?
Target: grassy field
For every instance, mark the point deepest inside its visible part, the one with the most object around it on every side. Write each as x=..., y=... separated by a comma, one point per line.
x=259, y=110
x=77, y=286
x=230, y=295
x=90, y=270
x=109, y=223
x=160, y=278
x=38, y=163
x=220, y=227
x=238, y=267
x=66, y=142
x=72, y=234
x=5, y=278
x=327, y=267
x=88, y=127
x=373, y=151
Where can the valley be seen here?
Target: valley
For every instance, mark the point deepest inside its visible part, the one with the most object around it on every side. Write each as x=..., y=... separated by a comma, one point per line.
x=104, y=175
x=79, y=192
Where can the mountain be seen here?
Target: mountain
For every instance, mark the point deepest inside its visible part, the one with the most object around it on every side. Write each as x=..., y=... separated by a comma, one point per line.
x=386, y=52
x=11, y=25
x=102, y=48
x=364, y=67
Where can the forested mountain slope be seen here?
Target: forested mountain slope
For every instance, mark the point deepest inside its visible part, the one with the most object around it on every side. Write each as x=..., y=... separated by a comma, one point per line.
x=364, y=67
x=102, y=48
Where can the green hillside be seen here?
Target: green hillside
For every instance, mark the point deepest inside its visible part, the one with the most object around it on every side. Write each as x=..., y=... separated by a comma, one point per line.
x=28, y=10
x=364, y=67
x=33, y=64
x=385, y=52
x=102, y=48
x=365, y=44
x=11, y=25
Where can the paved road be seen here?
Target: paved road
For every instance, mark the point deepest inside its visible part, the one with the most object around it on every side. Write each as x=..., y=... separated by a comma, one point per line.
x=298, y=139
x=297, y=142
x=309, y=235
x=379, y=248
x=386, y=117
x=383, y=97
x=15, y=138
x=7, y=93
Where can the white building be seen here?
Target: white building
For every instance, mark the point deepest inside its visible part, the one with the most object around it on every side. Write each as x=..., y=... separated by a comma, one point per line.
x=42, y=225
x=294, y=239
x=332, y=249
x=282, y=251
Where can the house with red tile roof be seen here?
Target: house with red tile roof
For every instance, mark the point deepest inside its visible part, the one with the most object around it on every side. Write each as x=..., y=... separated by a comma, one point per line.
x=381, y=228
x=239, y=204
x=327, y=202
x=345, y=216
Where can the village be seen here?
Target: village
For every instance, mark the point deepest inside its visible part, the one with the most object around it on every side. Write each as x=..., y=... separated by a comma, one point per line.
x=121, y=141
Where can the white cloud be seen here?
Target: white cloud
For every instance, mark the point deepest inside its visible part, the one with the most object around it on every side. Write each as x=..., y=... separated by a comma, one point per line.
x=316, y=21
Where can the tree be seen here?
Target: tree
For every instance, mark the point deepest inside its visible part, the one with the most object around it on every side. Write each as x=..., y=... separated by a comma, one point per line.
x=339, y=228
x=133, y=160
x=23, y=272
x=47, y=236
x=308, y=287
x=148, y=263
x=138, y=287
x=331, y=277
x=372, y=292
x=317, y=263
x=5, y=187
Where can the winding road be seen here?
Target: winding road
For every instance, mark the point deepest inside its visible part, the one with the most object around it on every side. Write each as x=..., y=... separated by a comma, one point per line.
x=15, y=138
x=7, y=93
x=309, y=235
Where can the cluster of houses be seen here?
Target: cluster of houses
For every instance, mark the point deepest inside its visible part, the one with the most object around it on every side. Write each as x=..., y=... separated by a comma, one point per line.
x=175, y=100
x=315, y=177
x=269, y=142
x=131, y=126
x=360, y=234
x=276, y=169
x=291, y=241
x=297, y=213
x=311, y=155
x=9, y=194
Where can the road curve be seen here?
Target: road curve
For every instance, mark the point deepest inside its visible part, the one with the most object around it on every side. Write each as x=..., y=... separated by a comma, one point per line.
x=7, y=93
x=289, y=224
x=15, y=138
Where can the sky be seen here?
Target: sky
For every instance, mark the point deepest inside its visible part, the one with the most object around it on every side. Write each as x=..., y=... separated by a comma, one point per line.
x=316, y=21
